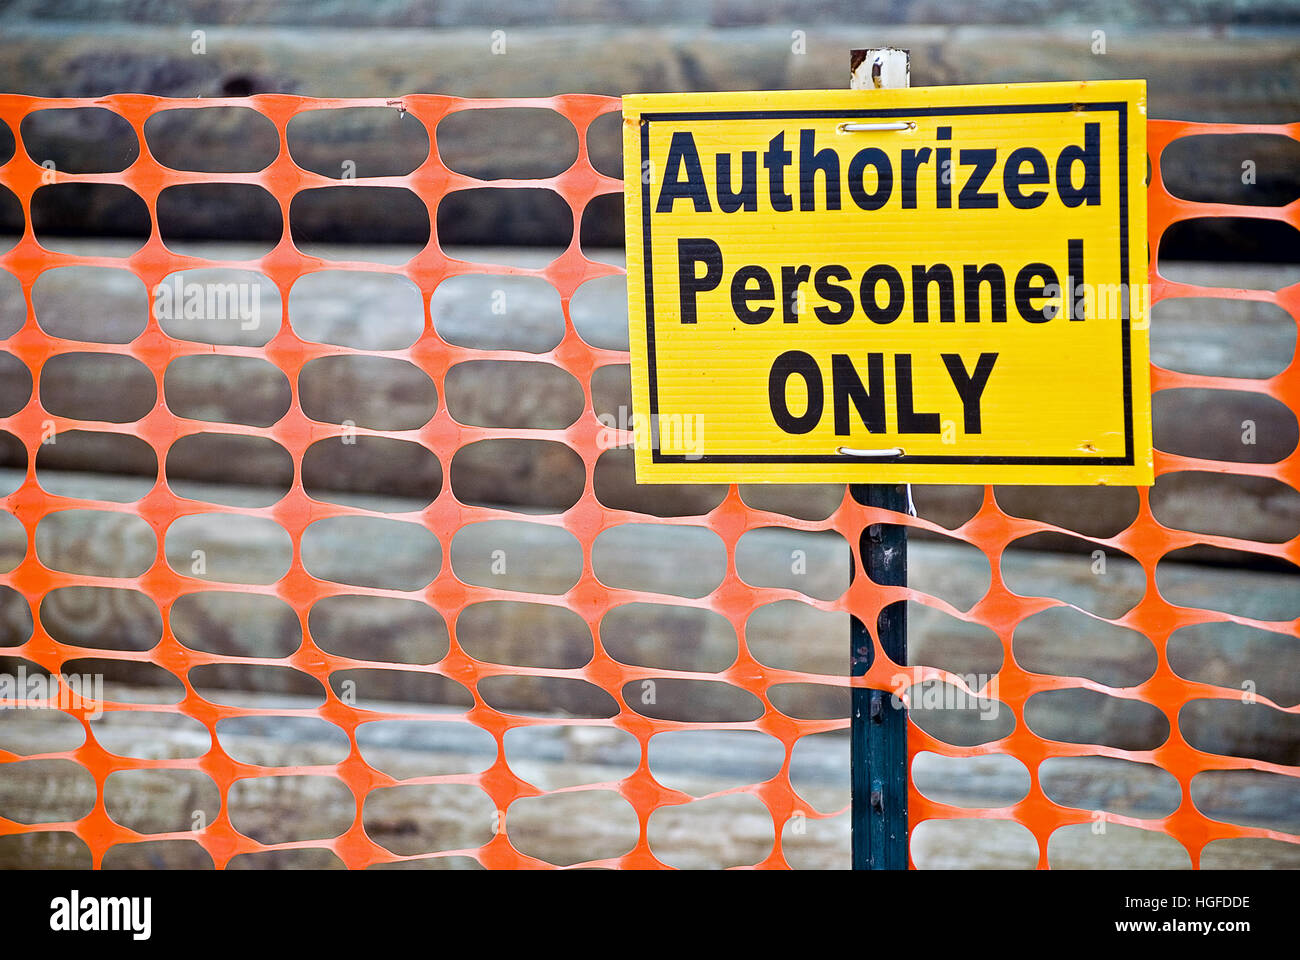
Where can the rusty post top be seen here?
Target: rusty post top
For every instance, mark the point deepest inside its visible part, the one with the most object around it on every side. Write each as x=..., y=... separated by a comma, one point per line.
x=873, y=68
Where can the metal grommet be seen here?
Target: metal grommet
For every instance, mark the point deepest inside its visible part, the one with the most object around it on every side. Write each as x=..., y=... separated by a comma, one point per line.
x=876, y=127
x=855, y=452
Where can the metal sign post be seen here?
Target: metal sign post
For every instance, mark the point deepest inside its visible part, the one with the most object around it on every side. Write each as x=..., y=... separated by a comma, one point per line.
x=764, y=349
x=878, y=730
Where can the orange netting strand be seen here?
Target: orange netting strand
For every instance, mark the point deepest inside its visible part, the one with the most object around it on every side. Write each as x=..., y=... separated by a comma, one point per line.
x=990, y=530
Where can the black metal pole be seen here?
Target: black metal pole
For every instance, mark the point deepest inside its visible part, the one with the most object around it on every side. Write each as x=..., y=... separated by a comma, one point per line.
x=878, y=730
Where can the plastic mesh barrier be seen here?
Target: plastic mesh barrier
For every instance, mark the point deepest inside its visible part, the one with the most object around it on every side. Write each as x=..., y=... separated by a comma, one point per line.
x=990, y=530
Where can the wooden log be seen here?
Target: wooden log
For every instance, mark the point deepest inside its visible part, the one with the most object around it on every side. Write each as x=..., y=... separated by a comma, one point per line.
x=1195, y=72
x=786, y=635
x=371, y=313
x=699, y=13
x=700, y=763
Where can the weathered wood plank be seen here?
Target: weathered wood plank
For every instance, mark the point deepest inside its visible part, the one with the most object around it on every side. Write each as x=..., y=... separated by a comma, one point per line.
x=368, y=312
x=715, y=833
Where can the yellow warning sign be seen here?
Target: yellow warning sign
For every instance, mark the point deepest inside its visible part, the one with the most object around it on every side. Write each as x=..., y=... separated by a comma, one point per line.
x=944, y=285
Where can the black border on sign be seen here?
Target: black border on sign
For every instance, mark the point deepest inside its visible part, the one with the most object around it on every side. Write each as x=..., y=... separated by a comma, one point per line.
x=1121, y=110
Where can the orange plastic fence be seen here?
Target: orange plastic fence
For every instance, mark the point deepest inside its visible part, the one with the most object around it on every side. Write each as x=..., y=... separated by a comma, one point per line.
x=990, y=530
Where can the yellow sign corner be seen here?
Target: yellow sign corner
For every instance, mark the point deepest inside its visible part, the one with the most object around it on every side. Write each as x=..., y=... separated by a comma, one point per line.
x=942, y=285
